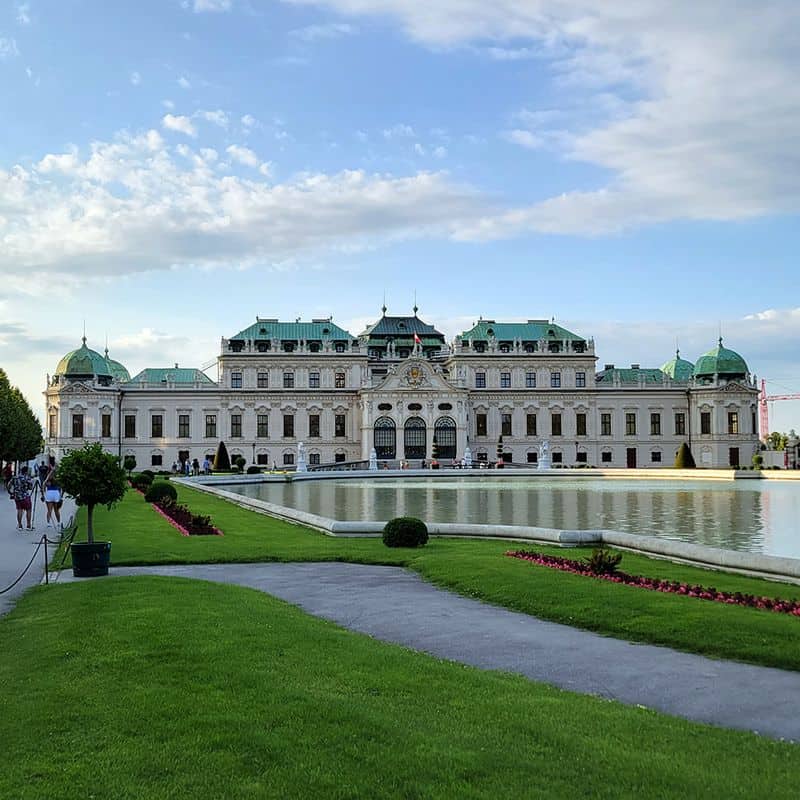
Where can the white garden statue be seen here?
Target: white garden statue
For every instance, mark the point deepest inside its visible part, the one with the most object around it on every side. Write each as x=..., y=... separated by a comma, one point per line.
x=544, y=455
x=301, y=458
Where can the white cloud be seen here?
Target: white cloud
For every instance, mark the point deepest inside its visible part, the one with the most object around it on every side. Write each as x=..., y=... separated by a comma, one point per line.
x=701, y=105
x=525, y=138
x=362, y=136
x=510, y=53
x=249, y=121
x=136, y=78
x=419, y=149
x=179, y=124
x=8, y=48
x=399, y=131
x=266, y=169
x=184, y=82
x=244, y=155
x=218, y=117
x=201, y=6
x=168, y=104
x=440, y=152
x=23, y=13
x=135, y=204
x=331, y=30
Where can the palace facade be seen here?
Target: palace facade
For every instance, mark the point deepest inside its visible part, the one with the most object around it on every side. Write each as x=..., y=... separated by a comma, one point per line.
x=500, y=388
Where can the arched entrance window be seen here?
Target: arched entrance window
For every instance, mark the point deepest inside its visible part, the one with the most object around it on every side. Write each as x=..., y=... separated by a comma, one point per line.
x=415, y=435
x=385, y=438
x=445, y=432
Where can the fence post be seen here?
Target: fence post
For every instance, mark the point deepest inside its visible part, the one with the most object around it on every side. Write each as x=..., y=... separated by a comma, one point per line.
x=46, y=572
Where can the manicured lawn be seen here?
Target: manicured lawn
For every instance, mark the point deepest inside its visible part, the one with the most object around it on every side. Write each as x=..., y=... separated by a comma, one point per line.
x=479, y=569
x=167, y=688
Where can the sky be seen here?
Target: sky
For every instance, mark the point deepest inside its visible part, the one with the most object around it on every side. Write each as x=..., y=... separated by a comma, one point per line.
x=170, y=169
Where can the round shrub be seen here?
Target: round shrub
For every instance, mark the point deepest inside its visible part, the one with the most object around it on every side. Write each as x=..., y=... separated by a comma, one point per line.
x=160, y=490
x=405, y=532
x=240, y=461
x=141, y=482
x=148, y=472
x=253, y=470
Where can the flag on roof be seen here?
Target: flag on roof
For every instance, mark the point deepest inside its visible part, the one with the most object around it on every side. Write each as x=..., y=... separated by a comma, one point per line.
x=417, y=340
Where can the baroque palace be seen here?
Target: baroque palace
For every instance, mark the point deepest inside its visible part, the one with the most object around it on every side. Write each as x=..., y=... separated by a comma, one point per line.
x=398, y=386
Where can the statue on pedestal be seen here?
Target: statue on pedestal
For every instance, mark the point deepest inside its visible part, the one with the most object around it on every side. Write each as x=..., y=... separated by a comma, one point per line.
x=544, y=455
x=301, y=458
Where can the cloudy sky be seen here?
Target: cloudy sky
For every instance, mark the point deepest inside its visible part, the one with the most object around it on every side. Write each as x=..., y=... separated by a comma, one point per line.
x=169, y=169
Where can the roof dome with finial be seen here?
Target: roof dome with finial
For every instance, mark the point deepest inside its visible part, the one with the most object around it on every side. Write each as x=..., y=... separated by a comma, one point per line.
x=117, y=370
x=720, y=361
x=678, y=369
x=83, y=363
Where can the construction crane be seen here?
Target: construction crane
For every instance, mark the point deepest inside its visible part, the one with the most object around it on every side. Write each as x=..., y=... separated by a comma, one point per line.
x=763, y=408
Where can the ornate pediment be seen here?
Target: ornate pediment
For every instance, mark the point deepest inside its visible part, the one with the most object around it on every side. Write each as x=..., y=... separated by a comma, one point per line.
x=77, y=388
x=414, y=375
x=733, y=386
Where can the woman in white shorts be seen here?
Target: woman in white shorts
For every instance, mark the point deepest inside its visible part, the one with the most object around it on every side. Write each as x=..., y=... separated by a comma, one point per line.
x=52, y=496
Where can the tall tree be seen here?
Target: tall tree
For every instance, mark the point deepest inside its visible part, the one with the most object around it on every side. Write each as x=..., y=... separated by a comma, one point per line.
x=20, y=431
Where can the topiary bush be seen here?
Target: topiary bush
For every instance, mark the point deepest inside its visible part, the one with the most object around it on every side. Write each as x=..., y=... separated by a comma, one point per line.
x=141, y=481
x=684, y=458
x=405, y=532
x=758, y=461
x=158, y=491
x=253, y=470
x=148, y=472
x=222, y=461
x=240, y=461
x=129, y=464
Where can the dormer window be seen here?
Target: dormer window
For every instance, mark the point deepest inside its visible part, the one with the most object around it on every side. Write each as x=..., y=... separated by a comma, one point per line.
x=339, y=347
x=288, y=347
x=314, y=347
x=504, y=348
x=480, y=347
x=326, y=331
x=263, y=347
x=490, y=331
x=401, y=325
x=262, y=331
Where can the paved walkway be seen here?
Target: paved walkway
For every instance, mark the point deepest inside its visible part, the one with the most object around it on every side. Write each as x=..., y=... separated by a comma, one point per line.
x=17, y=547
x=395, y=605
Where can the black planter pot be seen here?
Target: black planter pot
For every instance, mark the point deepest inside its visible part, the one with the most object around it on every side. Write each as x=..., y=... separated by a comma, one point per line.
x=90, y=560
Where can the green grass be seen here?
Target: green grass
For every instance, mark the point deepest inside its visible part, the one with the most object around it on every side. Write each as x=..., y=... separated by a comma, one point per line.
x=479, y=569
x=168, y=688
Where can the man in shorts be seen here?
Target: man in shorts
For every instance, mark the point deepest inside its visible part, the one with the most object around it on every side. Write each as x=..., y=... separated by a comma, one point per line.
x=20, y=488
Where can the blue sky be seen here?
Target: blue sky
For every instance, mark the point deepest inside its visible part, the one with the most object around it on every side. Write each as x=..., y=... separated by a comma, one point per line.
x=170, y=169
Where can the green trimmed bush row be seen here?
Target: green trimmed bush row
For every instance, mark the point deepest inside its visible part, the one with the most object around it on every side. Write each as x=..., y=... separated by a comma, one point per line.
x=158, y=491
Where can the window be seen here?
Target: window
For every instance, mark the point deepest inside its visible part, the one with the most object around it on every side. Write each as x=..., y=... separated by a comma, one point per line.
x=236, y=380
x=505, y=348
x=338, y=380
x=313, y=426
x=555, y=380
x=655, y=457
x=705, y=422
x=480, y=380
x=605, y=457
x=288, y=380
x=313, y=458
x=183, y=426
x=733, y=422
x=211, y=426
x=236, y=426
x=339, y=425
x=288, y=459
x=483, y=456
x=156, y=426
x=505, y=380
x=52, y=426
x=555, y=424
x=130, y=426
x=105, y=426
x=288, y=426
x=262, y=426
x=385, y=437
x=605, y=424
x=156, y=460
x=533, y=458
x=580, y=424
x=339, y=458
x=680, y=424
x=480, y=424
x=580, y=380
x=313, y=380
x=505, y=424
x=630, y=424
x=580, y=458
x=262, y=459
x=655, y=424
x=262, y=380
x=530, y=424
x=339, y=347
x=530, y=380
x=443, y=406
x=77, y=426
x=558, y=458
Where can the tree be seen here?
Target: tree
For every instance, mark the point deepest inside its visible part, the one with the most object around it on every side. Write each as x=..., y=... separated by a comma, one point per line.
x=435, y=449
x=20, y=432
x=684, y=458
x=500, y=448
x=222, y=461
x=94, y=478
x=777, y=440
x=129, y=464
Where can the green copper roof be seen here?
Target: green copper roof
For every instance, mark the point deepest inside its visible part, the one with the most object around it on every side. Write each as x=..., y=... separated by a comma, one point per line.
x=678, y=369
x=531, y=331
x=176, y=375
x=293, y=331
x=720, y=361
x=83, y=361
x=630, y=375
x=117, y=370
x=401, y=326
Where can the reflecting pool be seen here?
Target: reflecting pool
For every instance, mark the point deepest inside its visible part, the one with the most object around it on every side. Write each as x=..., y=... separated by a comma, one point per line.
x=755, y=516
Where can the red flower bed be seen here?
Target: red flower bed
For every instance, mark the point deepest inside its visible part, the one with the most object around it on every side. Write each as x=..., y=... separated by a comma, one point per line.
x=184, y=520
x=655, y=584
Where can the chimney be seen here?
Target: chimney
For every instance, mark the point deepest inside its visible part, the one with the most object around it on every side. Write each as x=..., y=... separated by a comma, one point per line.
x=176, y=365
x=608, y=366
x=634, y=366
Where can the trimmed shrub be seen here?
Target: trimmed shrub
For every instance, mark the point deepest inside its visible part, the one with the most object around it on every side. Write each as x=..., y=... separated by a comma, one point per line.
x=253, y=470
x=148, y=472
x=240, y=462
x=222, y=461
x=129, y=464
x=684, y=458
x=758, y=461
x=235, y=470
x=158, y=491
x=141, y=481
x=405, y=532
x=164, y=473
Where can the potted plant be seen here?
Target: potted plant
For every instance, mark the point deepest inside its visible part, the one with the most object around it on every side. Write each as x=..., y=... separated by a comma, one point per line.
x=92, y=477
x=435, y=454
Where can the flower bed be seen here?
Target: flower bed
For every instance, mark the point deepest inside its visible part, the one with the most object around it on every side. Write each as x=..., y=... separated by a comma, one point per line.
x=184, y=520
x=655, y=584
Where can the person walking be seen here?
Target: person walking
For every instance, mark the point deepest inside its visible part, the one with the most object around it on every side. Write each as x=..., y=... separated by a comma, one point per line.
x=52, y=496
x=195, y=467
x=19, y=489
x=206, y=466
